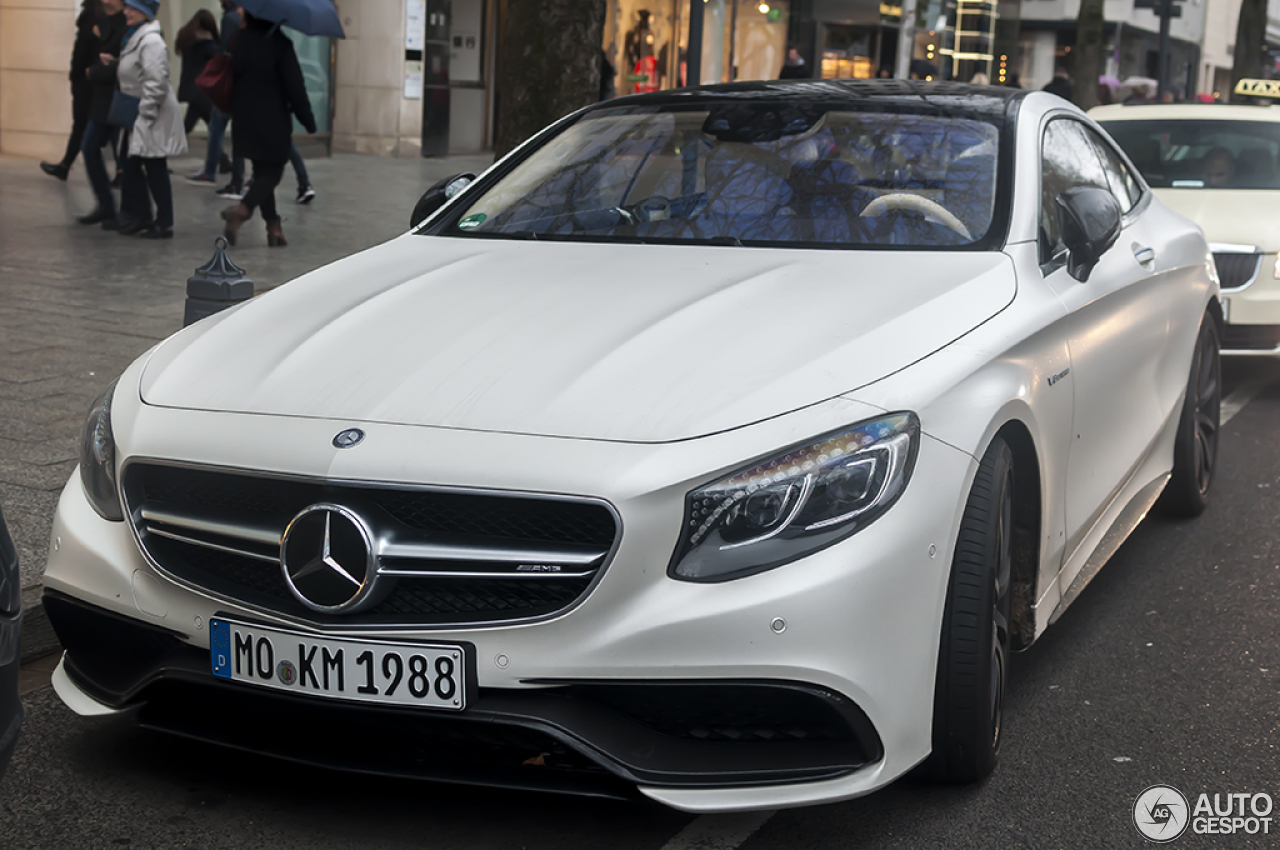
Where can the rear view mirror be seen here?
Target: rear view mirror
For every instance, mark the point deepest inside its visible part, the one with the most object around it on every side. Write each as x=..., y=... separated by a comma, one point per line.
x=435, y=197
x=1090, y=221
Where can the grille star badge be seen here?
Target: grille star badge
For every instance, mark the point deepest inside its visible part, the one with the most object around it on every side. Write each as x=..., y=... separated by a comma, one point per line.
x=348, y=438
x=328, y=560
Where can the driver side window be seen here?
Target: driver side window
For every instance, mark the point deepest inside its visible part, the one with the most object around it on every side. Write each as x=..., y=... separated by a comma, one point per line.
x=1067, y=159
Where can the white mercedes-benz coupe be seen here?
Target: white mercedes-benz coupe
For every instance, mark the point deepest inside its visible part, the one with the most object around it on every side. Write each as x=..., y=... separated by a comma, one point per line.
x=717, y=445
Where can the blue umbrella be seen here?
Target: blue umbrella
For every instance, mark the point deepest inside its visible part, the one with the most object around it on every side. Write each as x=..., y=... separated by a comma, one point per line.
x=309, y=17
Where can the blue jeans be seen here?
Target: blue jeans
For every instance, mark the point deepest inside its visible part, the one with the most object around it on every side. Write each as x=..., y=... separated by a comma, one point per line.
x=217, y=130
x=96, y=135
x=299, y=169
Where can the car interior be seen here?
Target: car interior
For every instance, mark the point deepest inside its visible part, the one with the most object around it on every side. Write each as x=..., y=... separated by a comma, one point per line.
x=833, y=178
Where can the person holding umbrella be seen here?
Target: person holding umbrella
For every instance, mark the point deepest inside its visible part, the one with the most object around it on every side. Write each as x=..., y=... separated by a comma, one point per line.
x=267, y=88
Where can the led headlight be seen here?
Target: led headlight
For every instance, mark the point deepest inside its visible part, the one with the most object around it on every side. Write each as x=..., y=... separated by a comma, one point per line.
x=98, y=459
x=796, y=503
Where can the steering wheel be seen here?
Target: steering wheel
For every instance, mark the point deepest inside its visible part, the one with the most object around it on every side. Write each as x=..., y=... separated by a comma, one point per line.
x=918, y=204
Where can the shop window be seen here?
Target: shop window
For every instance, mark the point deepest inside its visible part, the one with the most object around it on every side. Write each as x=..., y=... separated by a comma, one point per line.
x=760, y=38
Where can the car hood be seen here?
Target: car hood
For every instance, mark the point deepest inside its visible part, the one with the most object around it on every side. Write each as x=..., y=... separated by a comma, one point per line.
x=640, y=343
x=1239, y=216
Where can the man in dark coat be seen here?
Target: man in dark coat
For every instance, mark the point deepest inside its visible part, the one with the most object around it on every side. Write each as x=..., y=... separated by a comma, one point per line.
x=1060, y=84
x=83, y=54
x=102, y=76
x=268, y=90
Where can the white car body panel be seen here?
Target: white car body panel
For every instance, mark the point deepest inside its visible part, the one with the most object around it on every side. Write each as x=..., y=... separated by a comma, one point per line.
x=600, y=349
x=622, y=373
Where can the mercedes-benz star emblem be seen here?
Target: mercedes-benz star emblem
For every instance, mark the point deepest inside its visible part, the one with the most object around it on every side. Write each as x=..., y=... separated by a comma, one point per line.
x=328, y=559
x=348, y=438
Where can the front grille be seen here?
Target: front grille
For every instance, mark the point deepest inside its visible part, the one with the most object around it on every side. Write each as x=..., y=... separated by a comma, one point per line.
x=1251, y=337
x=453, y=557
x=1236, y=269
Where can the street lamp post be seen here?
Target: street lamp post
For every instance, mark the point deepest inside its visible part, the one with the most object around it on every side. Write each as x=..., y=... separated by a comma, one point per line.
x=906, y=39
x=693, y=54
x=1166, y=10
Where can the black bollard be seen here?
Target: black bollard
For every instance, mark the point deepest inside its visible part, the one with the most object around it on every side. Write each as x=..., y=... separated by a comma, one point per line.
x=216, y=285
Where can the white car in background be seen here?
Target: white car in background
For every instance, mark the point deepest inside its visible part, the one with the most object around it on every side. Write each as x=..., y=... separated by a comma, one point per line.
x=717, y=444
x=1219, y=165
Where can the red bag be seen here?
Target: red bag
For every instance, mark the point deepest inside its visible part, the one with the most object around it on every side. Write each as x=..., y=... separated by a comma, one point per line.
x=215, y=80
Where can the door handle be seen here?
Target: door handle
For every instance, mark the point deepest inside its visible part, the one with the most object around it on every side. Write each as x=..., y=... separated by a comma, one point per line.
x=1143, y=254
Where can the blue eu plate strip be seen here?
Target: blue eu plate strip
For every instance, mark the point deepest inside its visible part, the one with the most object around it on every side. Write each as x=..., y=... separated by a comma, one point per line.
x=220, y=648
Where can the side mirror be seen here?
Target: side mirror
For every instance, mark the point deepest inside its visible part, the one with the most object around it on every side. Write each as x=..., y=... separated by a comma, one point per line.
x=434, y=198
x=1090, y=221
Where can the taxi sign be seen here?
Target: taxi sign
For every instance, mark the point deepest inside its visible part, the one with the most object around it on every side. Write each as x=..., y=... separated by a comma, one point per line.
x=1258, y=88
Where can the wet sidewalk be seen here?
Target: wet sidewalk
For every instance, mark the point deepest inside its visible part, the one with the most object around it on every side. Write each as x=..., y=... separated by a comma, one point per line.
x=78, y=304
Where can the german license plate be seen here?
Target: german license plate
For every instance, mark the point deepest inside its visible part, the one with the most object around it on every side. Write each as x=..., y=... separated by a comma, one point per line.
x=413, y=674
x=1226, y=309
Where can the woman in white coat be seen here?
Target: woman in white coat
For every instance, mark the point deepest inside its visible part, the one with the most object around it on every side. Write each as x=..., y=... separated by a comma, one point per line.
x=157, y=133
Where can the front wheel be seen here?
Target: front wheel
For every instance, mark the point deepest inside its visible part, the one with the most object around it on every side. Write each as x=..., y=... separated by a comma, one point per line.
x=973, y=656
x=1195, y=450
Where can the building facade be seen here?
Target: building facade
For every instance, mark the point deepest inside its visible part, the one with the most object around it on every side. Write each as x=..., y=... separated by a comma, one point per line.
x=411, y=75
x=416, y=77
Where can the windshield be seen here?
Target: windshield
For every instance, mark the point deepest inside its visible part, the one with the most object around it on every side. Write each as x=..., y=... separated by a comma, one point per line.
x=1202, y=154
x=751, y=173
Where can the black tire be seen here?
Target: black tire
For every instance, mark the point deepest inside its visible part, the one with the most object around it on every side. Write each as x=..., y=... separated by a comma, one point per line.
x=1195, y=451
x=973, y=656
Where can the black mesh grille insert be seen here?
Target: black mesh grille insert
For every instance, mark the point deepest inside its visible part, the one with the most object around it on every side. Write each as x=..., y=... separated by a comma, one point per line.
x=724, y=712
x=1236, y=269
x=407, y=601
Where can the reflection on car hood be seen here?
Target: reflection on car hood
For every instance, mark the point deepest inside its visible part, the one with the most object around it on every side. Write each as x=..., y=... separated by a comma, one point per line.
x=1240, y=216
x=620, y=342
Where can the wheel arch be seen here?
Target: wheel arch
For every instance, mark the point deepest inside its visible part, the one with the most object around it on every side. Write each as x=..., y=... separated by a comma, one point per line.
x=1215, y=309
x=1028, y=525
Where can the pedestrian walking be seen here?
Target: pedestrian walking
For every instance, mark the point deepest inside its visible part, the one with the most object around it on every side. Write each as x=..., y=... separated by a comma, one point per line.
x=197, y=43
x=1060, y=84
x=84, y=53
x=267, y=89
x=101, y=74
x=157, y=132
x=794, y=68
x=608, y=73
x=232, y=21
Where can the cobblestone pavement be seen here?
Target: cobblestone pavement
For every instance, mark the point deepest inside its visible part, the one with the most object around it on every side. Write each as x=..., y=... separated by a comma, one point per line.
x=77, y=303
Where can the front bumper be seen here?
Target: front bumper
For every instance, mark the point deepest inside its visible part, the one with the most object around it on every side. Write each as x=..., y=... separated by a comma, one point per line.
x=595, y=737
x=857, y=655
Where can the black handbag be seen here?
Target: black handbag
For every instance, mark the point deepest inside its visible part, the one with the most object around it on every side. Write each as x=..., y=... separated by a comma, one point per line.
x=124, y=109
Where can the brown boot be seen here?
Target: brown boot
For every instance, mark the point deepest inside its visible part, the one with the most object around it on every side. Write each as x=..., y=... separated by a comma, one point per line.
x=234, y=216
x=275, y=235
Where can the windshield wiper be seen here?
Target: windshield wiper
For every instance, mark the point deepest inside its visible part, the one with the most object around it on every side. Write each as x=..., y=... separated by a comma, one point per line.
x=731, y=241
